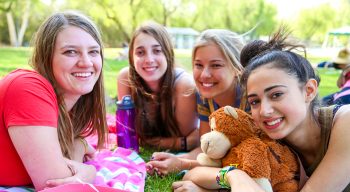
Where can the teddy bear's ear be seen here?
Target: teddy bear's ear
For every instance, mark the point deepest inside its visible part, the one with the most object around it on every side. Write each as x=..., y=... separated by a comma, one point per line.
x=212, y=123
x=231, y=111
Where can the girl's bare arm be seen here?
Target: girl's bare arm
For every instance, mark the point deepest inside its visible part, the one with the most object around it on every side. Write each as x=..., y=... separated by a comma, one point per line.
x=333, y=172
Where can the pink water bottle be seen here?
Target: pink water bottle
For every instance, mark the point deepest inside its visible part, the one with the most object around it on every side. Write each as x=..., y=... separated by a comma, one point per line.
x=125, y=124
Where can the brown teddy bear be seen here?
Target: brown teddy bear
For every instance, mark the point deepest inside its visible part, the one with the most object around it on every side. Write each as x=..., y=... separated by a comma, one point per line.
x=235, y=139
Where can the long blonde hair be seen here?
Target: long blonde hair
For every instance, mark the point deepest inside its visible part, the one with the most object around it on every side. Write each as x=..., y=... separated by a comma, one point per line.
x=88, y=115
x=230, y=44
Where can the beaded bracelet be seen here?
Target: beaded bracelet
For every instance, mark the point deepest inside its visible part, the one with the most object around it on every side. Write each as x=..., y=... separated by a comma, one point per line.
x=221, y=178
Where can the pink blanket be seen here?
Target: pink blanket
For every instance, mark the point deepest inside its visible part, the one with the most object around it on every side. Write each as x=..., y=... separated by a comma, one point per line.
x=120, y=169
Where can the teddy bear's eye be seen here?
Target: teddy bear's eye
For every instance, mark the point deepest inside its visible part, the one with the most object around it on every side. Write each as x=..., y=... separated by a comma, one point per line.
x=212, y=129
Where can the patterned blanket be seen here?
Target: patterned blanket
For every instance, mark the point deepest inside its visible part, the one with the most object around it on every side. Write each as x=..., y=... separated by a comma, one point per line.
x=16, y=189
x=120, y=168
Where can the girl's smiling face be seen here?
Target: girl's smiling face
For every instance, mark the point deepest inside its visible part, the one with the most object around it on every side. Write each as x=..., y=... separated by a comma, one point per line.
x=149, y=59
x=212, y=72
x=279, y=104
x=77, y=62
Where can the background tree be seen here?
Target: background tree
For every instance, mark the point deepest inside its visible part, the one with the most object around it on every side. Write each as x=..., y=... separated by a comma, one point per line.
x=168, y=8
x=119, y=18
x=236, y=15
x=5, y=6
x=123, y=14
x=313, y=23
x=17, y=17
x=242, y=16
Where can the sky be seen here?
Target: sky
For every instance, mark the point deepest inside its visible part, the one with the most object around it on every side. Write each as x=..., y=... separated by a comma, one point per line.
x=289, y=8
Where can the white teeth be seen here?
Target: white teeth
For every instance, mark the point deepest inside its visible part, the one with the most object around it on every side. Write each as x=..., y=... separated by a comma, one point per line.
x=82, y=74
x=150, y=68
x=274, y=122
x=207, y=84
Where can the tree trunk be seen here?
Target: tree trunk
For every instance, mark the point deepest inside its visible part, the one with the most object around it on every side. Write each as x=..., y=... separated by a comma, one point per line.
x=17, y=34
x=24, y=25
x=12, y=29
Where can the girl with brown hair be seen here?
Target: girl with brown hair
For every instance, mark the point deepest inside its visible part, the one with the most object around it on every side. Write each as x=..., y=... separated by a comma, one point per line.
x=46, y=113
x=165, y=107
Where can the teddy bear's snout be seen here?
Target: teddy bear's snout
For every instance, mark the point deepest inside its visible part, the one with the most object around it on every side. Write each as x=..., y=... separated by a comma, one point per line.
x=204, y=144
x=215, y=144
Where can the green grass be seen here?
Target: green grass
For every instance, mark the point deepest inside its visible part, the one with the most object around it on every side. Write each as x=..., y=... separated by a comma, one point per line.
x=156, y=183
x=328, y=82
x=12, y=58
x=159, y=184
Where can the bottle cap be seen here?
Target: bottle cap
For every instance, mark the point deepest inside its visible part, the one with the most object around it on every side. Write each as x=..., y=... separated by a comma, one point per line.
x=125, y=103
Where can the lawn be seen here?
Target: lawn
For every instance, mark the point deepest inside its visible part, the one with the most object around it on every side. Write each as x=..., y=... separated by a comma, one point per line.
x=12, y=58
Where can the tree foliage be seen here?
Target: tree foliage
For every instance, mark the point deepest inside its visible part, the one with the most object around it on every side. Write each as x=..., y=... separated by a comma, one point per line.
x=119, y=18
x=22, y=18
x=313, y=23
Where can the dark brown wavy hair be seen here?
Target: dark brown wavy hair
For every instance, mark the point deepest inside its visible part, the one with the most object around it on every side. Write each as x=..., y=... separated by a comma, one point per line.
x=88, y=115
x=163, y=123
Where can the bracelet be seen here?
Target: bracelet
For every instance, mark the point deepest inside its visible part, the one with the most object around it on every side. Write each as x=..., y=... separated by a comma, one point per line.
x=71, y=169
x=221, y=178
x=183, y=144
x=85, y=144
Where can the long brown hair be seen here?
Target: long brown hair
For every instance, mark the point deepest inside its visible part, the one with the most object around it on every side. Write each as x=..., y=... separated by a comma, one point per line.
x=165, y=125
x=88, y=115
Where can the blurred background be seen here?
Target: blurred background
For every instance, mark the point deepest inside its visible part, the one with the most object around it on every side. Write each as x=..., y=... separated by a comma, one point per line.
x=312, y=21
x=322, y=25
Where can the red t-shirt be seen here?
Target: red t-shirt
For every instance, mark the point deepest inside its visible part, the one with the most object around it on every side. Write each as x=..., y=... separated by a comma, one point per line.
x=26, y=98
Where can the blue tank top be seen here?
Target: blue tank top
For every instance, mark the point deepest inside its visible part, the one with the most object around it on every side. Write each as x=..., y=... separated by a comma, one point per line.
x=206, y=106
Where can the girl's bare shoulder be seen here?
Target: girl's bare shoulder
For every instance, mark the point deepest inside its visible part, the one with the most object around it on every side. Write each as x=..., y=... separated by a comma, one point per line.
x=184, y=81
x=341, y=120
x=124, y=72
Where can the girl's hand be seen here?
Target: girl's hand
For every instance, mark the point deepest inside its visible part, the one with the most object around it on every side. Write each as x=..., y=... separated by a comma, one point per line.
x=164, y=163
x=81, y=173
